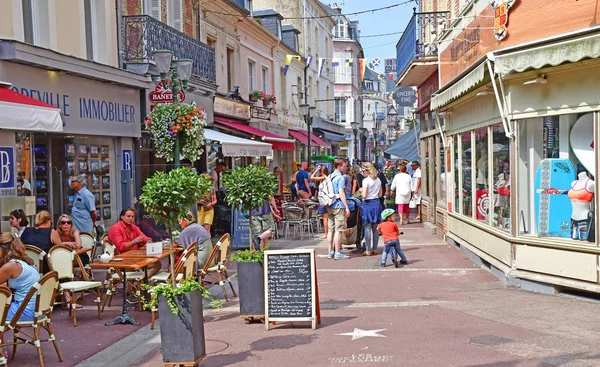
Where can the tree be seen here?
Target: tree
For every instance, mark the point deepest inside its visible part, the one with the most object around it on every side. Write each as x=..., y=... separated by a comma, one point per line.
x=249, y=188
x=167, y=197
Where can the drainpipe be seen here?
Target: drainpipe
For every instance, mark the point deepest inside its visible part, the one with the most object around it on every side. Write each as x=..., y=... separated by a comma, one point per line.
x=119, y=34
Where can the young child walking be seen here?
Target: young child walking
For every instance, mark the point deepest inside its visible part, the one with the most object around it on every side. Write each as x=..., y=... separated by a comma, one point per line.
x=390, y=232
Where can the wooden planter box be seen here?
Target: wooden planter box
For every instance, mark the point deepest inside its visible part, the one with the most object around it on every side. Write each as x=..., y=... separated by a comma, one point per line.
x=182, y=335
x=251, y=286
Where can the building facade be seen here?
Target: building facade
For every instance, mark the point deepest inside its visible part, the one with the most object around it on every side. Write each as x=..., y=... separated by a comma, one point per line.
x=521, y=111
x=374, y=106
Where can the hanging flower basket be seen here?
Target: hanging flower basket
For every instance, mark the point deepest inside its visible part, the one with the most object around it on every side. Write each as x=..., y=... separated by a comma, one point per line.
x=168, y=120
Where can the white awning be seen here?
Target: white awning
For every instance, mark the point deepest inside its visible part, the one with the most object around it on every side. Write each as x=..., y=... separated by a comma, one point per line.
x=19, y=112
x=459, y=88
x=233, y=146
x=573, y=50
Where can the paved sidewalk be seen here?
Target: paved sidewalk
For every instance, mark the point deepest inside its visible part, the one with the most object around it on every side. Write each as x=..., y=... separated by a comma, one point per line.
x=439, y=310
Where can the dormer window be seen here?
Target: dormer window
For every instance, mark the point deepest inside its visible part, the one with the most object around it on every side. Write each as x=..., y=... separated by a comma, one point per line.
x=341, y=28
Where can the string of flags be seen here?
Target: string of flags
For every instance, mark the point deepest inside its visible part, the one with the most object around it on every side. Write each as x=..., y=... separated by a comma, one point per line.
x=336, y=61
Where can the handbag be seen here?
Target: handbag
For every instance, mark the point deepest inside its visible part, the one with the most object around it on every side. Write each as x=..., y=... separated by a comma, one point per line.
x=412, y=204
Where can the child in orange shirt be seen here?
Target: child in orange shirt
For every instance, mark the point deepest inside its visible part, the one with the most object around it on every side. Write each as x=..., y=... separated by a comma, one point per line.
x=390, y=232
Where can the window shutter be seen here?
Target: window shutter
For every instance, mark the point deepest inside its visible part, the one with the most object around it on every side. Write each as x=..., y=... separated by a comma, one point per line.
x=153, y=8
x=176, y=14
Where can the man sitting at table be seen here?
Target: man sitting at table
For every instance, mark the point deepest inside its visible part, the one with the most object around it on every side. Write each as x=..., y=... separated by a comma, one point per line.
x=127, y=236
x=193, y=232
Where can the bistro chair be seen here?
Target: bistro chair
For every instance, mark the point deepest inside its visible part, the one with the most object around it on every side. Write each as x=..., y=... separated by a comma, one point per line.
x=114, y=277
x=5, y=300
x=37, y=255
x=184, y=268
x=292, y=216
x=88, y=242
x=46, y=290
x=60, y=259
x=218, y=272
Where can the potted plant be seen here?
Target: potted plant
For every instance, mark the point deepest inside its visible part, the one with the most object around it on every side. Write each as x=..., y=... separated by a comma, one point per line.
x=251, y=282
x=249, y=188
x=166, y=197
x=255, y=96
x=268, y=99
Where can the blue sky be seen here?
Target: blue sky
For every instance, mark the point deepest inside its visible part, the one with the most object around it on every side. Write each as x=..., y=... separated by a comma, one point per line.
x=383, y=21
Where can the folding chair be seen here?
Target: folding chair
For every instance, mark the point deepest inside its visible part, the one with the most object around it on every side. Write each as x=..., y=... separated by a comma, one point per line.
x=220, y=268
x=45, y=290
x=184, y=268
x=37, y=255
x=60, y=259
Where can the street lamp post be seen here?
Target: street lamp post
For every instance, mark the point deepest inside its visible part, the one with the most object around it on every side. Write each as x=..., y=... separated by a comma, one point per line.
x=376, y=130
x=354, y=125
x=307, y=112
x=180, y=74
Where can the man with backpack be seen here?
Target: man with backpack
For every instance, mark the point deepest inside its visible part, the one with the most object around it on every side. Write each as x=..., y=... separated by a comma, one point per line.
x=333, y=196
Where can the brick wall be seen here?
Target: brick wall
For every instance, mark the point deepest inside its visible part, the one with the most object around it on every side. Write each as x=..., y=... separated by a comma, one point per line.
x=441, y=223
x=188, y=18
x=131, y=7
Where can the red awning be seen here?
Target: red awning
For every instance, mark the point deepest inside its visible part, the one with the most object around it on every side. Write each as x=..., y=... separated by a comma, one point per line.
x=318, y=141
x=278, y=142
x=20, y=112
x=298, y=135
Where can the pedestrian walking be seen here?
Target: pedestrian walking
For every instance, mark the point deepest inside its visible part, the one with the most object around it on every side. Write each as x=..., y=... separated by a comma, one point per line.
x=338, y=211
x=390, y=232
x=402, y=185
x=416, y=187
x=371, y=208
x=320, y=175
x=84, y=205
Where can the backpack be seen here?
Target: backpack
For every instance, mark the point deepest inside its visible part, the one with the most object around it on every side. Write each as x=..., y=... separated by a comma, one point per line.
x=326, y=194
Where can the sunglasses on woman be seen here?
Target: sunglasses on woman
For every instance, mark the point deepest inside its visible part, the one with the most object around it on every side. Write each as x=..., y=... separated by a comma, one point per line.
x=65, y=222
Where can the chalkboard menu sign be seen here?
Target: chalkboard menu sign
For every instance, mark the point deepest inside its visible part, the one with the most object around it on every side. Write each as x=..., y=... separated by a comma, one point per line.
x=290, y=278
x=240, y=224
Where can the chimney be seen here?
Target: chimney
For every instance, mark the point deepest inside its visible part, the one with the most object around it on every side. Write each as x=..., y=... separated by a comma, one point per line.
x=337, y=8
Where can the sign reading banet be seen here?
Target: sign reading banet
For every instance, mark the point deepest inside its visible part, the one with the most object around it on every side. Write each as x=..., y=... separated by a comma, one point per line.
x=529, y=20
x=89, y=107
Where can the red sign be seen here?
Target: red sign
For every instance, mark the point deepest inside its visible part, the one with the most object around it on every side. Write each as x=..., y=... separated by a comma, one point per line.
x=164, y=95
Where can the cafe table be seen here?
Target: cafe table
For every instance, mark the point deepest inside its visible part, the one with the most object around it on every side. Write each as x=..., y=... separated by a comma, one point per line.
x=125, y=264
x=141, y=253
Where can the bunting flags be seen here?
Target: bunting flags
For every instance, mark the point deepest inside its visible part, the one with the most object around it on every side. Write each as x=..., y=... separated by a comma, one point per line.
x=391, y=76
x=288, y=61
x=335, y=62
x=321, y=62
x=349, y=62
x=362, y=65
x=308, y=60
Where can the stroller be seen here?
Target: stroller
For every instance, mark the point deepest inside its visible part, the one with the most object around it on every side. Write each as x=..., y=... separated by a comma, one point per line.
x=354, y=228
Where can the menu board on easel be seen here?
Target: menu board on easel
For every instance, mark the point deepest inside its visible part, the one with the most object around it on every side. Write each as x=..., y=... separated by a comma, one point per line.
x=291, y=287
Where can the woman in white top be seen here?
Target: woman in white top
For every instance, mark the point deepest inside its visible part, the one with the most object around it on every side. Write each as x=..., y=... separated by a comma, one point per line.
x=402, y=185
x=371, y=208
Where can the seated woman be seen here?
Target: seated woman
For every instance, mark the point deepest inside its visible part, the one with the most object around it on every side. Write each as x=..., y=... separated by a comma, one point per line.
x=18, y=220
x=70, y=236
x=194, y=232
x=42, y=235
x=127, y=236
x=17, y=269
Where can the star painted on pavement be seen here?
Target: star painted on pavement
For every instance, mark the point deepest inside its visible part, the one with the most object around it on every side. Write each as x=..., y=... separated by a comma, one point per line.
x=360, y=333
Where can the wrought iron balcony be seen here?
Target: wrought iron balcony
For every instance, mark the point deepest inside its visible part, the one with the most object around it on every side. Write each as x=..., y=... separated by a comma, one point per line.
x=142, y=34
x=416, y=41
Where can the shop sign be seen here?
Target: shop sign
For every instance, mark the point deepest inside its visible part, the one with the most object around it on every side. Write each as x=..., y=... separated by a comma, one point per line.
x=293, y=122
x=272, y=128
x=405, y=96
x=501, y=17
x=89, y=107
x=231, y=108
x=7, y=171
x=127, y=162
x=163, y=94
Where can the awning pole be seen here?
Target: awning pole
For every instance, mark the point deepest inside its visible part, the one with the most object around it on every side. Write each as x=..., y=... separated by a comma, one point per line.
x=437, y=120
x=507, y=131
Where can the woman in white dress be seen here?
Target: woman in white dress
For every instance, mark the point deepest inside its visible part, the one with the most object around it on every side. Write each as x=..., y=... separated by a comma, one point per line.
x=402, y=185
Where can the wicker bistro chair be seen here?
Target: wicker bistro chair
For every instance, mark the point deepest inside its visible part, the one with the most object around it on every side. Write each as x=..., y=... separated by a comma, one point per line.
x=89, y=242
x=60, y=259
x=220, y=268
x=45, y=290
x=114, y=277
x=37, y=255
x=5, y=300
x=184, y=268
x=293, y=216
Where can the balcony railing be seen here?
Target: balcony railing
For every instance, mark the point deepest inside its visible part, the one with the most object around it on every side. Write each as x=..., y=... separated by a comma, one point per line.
x=416, y=41
x=142, y=34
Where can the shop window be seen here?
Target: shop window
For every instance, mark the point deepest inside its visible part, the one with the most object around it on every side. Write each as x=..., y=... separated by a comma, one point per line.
x=23, y=160
x=428, y=164
x=501, y=176
x=481, y=159
x=556, y=166
x=442, y=171
x=455, y=173
x=466, y=173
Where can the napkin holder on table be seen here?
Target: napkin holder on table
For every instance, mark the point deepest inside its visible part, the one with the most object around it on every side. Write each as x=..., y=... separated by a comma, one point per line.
x=154, y=248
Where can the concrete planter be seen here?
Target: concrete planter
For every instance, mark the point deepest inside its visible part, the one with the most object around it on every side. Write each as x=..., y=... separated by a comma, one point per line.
x=251, y=288
x=182, y=335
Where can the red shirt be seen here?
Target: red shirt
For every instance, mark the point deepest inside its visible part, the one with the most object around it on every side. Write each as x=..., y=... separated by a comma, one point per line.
x=389, y=230
x=119, y=234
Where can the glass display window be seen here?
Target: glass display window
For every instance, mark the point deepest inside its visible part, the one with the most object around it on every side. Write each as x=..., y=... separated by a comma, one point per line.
x=556, y=168
x=25, y=185
x=501, y=175
x=456, y=173
x=466, y=174
x=481, y=160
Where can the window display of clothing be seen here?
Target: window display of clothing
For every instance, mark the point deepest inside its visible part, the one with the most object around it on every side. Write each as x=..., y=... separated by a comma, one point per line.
x=581, y=195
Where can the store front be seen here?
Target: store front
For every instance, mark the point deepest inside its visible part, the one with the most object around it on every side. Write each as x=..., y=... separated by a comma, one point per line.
x=522, y=161
x=101, y=121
